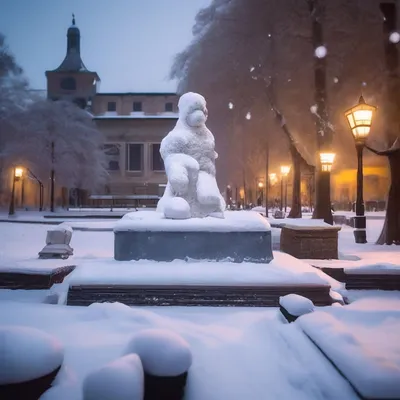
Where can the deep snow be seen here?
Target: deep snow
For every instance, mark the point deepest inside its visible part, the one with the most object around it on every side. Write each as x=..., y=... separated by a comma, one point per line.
x=237, y=353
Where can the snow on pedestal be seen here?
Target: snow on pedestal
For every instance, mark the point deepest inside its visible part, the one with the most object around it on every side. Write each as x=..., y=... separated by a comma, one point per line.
x=293, y=306
x=57, y=242
x=177, y=208
x=189, y=157
x=163, y=353
x=240, y=236
x=234, y=221
x=27, y=354
x=166, y=359
x=122, y=379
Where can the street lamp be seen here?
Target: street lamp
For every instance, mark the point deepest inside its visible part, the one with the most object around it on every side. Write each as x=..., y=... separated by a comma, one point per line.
x=17, y=174
x=260, y=193
x=326, y=161
x=273, y=178
x=285, y=169
x=359, y=118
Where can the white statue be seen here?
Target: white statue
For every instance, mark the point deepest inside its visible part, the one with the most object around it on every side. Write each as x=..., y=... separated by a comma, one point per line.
x=189, y=156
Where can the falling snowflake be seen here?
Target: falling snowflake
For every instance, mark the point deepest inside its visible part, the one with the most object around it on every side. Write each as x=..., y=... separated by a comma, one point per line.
x=335, y=79
x=230, y=105
x=394, y=37
x=269, y=35
x=248, y=115
x=320, y=52
x=252, y=69
x=314, y=109
x=364, y=84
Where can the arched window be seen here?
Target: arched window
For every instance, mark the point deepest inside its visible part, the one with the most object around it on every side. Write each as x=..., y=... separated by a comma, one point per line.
x=68, y=83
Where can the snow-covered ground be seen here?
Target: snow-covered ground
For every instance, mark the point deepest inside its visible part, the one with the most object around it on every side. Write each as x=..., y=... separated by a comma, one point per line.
x=237, y=353
x=362, y=340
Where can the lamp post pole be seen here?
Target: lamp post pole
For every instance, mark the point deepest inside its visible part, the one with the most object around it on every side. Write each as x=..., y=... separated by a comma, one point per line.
x=360, y=223
x=11, y=210
x=281, y=205
x=286, y=180
x=52, y=179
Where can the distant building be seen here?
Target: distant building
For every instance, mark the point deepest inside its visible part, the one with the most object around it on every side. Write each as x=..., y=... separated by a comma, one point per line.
x=133, y=123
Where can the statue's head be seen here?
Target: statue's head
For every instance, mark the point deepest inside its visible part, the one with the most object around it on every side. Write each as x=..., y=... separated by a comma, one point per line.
x=192, y=109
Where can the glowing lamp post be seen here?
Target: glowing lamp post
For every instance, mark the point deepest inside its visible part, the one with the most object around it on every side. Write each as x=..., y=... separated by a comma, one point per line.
x=273, y=178
x=285, y=169
x=327, y=161
x=359, y=118
x=260, y=193
x=17, y=175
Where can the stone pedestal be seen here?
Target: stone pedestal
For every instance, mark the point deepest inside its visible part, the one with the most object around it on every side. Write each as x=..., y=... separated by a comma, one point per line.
x=241, y=236
x=57, y=243
x=310, y=242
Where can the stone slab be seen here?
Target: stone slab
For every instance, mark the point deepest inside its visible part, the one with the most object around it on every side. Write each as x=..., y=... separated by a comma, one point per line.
x=310, y=242
x=253, y=247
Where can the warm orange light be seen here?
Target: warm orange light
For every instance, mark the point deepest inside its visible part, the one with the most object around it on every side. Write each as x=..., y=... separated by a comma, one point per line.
x=260, y=185
x=327, y=161
x=273, y=178
x=359, y=118
x=285, y=169
x=18, y=172
x=241, y=193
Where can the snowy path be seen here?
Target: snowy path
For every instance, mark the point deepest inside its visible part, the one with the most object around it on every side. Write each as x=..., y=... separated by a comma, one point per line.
x=238, y=354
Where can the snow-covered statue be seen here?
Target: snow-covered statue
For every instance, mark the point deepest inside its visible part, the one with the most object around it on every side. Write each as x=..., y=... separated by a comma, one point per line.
x=189, y=157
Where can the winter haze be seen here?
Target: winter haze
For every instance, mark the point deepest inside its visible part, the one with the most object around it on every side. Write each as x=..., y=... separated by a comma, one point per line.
x=129, y=43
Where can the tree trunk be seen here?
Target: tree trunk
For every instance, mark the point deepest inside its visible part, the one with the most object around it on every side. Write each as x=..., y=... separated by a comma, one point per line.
x=391, y=229
x=295, y=211
x=324, y=134
x=322, y=208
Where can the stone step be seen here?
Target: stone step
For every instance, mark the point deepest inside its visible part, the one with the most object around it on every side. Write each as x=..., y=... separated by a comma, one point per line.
x=364, y=281
x=191, y=295
x=34, y=280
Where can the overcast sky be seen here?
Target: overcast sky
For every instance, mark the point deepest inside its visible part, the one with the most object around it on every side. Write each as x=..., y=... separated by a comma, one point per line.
x=129, y=43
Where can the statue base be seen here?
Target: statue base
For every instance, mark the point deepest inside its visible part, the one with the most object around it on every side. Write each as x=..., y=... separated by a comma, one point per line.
x=147, y=235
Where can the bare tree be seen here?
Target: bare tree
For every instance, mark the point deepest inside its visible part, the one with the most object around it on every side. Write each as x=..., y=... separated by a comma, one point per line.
x=58, y=136
x=13, y=97
x=231, y=37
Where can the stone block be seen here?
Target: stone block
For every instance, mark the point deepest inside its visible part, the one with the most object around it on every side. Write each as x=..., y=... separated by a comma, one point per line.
x=239, y=237
x=57, y=243
x=310, y=242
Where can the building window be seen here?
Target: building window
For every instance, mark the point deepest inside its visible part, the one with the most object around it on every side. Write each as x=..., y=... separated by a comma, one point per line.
x=111, y=106
x=112, y=153
x=157, y=163
x=137, y=106
x=169, y=107
x=68, y=83
x=134, y=157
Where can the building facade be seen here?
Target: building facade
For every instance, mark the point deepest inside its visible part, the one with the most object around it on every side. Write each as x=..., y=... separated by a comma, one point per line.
x=133, y=124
